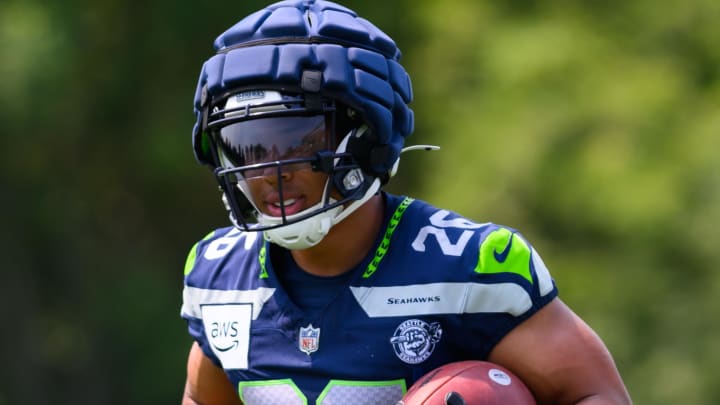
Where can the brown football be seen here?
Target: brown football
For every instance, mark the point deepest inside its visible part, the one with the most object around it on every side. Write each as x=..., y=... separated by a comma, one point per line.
x=469, y=382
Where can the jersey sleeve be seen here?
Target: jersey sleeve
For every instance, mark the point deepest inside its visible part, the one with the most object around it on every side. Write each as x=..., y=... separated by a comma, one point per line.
x=510, y=284
x=507, y=254
x=189, y=310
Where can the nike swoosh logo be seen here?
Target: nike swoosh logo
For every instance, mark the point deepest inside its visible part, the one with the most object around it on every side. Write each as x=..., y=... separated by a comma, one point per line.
x=232, y=346
x=502, y=256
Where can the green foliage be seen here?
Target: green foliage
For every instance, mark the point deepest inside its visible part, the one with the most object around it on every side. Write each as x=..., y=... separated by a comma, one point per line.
x=592, y=127
x=594, y=132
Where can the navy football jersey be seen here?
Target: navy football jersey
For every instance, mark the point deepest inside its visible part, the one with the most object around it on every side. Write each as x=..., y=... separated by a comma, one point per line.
x=437, y=288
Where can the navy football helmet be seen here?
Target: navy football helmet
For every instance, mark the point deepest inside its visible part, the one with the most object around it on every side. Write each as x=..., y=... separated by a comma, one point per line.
x=302, y=84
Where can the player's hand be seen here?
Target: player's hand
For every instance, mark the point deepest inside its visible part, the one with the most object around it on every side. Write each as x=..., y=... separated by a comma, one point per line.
x=453, y=398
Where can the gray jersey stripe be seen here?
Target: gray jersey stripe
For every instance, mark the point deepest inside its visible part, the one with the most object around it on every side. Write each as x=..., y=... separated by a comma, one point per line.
x=442, y=298
x=194, y=297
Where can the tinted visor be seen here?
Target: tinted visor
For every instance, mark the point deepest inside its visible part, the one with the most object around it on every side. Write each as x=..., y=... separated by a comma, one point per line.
x=274, y=139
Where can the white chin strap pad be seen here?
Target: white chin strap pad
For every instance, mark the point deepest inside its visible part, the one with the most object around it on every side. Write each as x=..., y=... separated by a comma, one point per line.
x=310, y=231
x=304, y=234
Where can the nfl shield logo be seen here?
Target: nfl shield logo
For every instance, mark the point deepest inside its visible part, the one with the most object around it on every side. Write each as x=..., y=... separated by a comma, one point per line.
x=308, y=339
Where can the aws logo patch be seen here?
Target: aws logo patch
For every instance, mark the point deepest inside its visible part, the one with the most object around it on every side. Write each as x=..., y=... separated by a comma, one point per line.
x=227, y=327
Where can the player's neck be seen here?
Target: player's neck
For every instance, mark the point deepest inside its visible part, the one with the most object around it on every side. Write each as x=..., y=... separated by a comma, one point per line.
x=347, y=243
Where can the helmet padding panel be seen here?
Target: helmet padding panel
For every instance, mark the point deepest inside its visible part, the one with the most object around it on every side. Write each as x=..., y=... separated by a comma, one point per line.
x=358, y=65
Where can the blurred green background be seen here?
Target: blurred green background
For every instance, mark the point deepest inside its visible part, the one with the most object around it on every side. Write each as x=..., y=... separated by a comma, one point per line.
x=593, y=127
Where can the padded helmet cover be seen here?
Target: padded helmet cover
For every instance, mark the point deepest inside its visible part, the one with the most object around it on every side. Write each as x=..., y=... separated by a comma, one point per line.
x=356, y=63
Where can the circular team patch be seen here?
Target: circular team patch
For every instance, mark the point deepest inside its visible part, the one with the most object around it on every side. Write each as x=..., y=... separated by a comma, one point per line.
x=414, y=340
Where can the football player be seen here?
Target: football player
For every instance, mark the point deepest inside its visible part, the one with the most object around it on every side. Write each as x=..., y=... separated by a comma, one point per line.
x=327, y=289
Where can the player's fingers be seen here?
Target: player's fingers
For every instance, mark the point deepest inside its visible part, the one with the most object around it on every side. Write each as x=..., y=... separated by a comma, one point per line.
x=453, y=398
